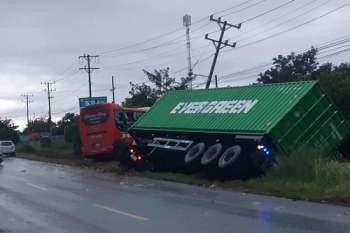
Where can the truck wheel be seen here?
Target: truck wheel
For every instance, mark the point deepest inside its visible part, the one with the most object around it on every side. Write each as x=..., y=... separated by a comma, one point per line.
x=195, y=152
x=229, y=156
x=211, y=154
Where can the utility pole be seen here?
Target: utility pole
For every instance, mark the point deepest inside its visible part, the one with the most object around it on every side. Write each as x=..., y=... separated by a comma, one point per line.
x=27, y=102
x=219, y=44
x=88, y=69
x=49, y=97
x=113, y=88
x=216, y=81
x=187, y=23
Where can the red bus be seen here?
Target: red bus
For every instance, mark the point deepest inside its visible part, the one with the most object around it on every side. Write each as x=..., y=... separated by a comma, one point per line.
x=102, y=125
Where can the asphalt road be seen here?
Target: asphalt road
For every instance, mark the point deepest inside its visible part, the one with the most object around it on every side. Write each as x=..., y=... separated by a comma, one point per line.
x=40, y=197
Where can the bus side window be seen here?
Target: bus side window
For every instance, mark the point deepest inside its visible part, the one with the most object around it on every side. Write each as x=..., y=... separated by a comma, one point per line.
x=120, y=121
x=139, y=114
x=130, y=116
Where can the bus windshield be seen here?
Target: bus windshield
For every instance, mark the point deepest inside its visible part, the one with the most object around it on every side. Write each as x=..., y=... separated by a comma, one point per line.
x=125, y=119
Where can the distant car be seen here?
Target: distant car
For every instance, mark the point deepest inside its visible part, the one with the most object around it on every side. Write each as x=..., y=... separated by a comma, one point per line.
x=8, y=148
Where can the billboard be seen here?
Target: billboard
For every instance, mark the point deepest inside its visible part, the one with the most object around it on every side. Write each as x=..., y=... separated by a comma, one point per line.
x=24, y=138
x=84, y=102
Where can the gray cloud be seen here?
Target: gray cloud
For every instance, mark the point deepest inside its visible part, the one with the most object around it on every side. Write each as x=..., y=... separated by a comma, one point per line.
x=44, y=38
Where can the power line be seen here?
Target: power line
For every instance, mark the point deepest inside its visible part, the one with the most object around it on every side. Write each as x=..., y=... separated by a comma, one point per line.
x=186, y=67
x=159, y=56
x=266, y=65
x=199, y=36
x=244, y=21
x=300, y=25
x=255, y=4
x=335, y=49
x=335, y=54
x=285, y=14
x=179, y=29
x=70, y=93
x=63, y=72
x=284, y=22
x=230, y=8
x=276, y=8
x=171, y=42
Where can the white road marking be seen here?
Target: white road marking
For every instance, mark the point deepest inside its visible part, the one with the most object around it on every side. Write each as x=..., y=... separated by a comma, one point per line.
x=36, y=186
x=120, y=212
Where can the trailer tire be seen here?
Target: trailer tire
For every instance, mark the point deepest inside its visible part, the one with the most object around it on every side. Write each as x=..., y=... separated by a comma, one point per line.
x=195, y=152
x=229, y=156
x=211, y=154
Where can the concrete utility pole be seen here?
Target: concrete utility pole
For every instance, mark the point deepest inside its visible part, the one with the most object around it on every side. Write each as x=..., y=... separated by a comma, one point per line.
x=49, y=97
x=113, y=88
x=219, y=44
x=88, y=69
x=27, y=101
x=187, y=23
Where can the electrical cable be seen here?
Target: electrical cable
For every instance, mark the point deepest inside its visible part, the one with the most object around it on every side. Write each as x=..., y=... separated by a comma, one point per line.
x=285, y=22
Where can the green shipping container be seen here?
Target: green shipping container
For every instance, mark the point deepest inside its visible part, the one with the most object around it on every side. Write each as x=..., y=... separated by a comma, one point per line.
x=292, y=114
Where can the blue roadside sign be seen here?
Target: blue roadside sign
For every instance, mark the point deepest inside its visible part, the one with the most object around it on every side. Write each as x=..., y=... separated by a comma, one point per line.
x=84, y=102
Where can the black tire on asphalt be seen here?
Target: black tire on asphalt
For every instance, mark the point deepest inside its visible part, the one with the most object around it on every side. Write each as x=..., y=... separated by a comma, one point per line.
x=211, y=154
x=195, y=152
x=231, y=155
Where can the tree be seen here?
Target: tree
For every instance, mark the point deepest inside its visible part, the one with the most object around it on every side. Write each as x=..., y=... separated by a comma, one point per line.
x=145, y=96
x=9, y=131
x=334, y=79
x=141, y=96
x=40, y=124
x=67, y=120
x=336, y=82
x=290, y=68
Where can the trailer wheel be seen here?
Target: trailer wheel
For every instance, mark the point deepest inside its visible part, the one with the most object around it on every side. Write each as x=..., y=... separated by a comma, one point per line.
x=195, y=152
x=229, y=156
x=211, y=154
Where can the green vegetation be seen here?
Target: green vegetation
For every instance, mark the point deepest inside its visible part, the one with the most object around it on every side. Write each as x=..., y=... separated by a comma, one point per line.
x=8, y=130
x=25, y=148
x=145, y=96
x=307, y=176
x=335, y=79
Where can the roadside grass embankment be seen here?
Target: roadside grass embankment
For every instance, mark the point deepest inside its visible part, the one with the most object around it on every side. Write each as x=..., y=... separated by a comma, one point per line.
x=307, y=176
x=300, y=175
x=62, y=153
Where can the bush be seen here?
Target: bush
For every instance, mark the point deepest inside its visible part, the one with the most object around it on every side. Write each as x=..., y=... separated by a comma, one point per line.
x=309, y=167
x=297, y=165
x=25, y=148
x=332, y=172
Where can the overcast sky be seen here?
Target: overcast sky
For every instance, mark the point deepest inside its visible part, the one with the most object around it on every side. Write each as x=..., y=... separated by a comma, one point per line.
x=41, y=41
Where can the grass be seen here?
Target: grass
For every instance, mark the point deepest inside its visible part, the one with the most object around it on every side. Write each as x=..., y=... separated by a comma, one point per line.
x=300, y=176
x=307, y=176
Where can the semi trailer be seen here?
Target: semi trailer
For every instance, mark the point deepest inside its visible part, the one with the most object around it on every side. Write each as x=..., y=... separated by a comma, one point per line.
x=235, y=129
